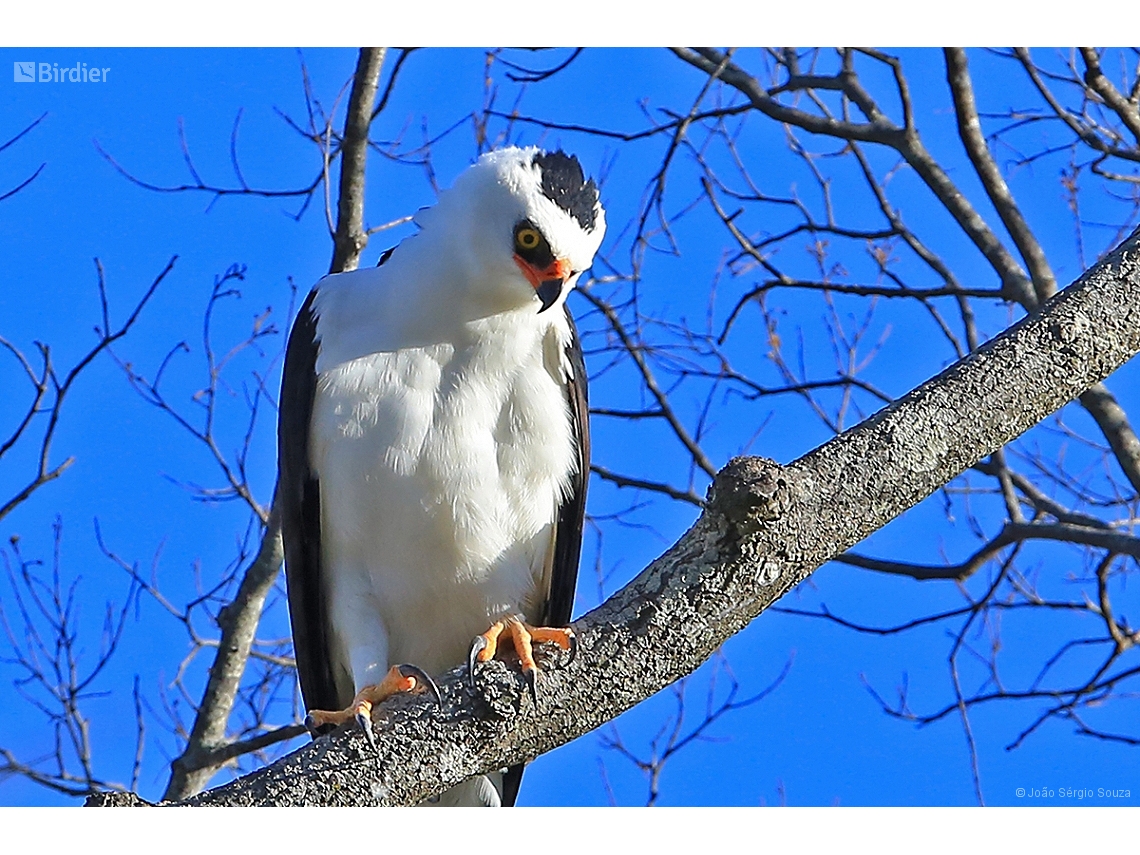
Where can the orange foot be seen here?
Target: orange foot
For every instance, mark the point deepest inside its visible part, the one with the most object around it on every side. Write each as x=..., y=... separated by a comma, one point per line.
x=522, y=635
x=400, y=678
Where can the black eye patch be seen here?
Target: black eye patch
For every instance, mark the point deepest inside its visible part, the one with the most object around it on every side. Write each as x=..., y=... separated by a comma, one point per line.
x=531, y=246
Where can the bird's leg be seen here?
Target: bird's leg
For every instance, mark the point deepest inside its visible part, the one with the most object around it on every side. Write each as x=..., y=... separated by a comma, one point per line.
x=522, y=635
x=400, y=678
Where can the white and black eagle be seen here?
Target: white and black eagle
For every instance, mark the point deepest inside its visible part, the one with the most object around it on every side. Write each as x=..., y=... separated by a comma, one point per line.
x=434, y=448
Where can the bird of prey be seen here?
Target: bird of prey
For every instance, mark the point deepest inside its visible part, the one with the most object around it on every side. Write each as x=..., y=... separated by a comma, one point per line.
x=434, y=449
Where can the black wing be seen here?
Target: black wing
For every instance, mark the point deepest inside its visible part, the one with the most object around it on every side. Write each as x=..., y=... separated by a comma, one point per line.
x=568, y=528
x=299, y=498
x=572, y=514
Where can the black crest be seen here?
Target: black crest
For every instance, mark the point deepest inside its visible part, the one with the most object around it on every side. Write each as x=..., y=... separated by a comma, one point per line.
x=564, y=184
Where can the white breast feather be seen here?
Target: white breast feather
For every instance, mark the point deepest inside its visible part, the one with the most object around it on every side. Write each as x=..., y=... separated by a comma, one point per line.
x=450, y=461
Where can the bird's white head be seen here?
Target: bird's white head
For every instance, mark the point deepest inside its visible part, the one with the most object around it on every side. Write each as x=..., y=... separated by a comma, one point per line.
x=526, y=224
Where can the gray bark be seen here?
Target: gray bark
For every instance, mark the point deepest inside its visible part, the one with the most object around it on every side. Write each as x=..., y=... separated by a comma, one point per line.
x=765, y=529
x=349, y=239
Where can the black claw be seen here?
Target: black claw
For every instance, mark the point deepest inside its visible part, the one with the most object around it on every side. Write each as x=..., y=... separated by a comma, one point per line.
x=531, y=677
x=424, y=679
x=478, y=645
x=364, y=722
x=573, y=648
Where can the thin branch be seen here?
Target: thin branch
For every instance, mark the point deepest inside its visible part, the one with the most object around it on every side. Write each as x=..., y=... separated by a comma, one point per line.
x=46, y=472
x=349, y=238
x=970, y=131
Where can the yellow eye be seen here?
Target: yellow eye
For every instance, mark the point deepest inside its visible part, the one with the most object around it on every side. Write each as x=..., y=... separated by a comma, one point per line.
x=527, y=238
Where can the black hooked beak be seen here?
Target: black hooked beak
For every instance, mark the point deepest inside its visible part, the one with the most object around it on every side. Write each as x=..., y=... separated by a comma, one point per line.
x=548, y=293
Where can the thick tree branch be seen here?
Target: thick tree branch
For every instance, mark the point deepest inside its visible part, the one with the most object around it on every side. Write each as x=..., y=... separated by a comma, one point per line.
x=765, y=529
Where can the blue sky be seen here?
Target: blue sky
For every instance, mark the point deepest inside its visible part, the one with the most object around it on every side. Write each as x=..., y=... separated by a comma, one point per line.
x=819, y=738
